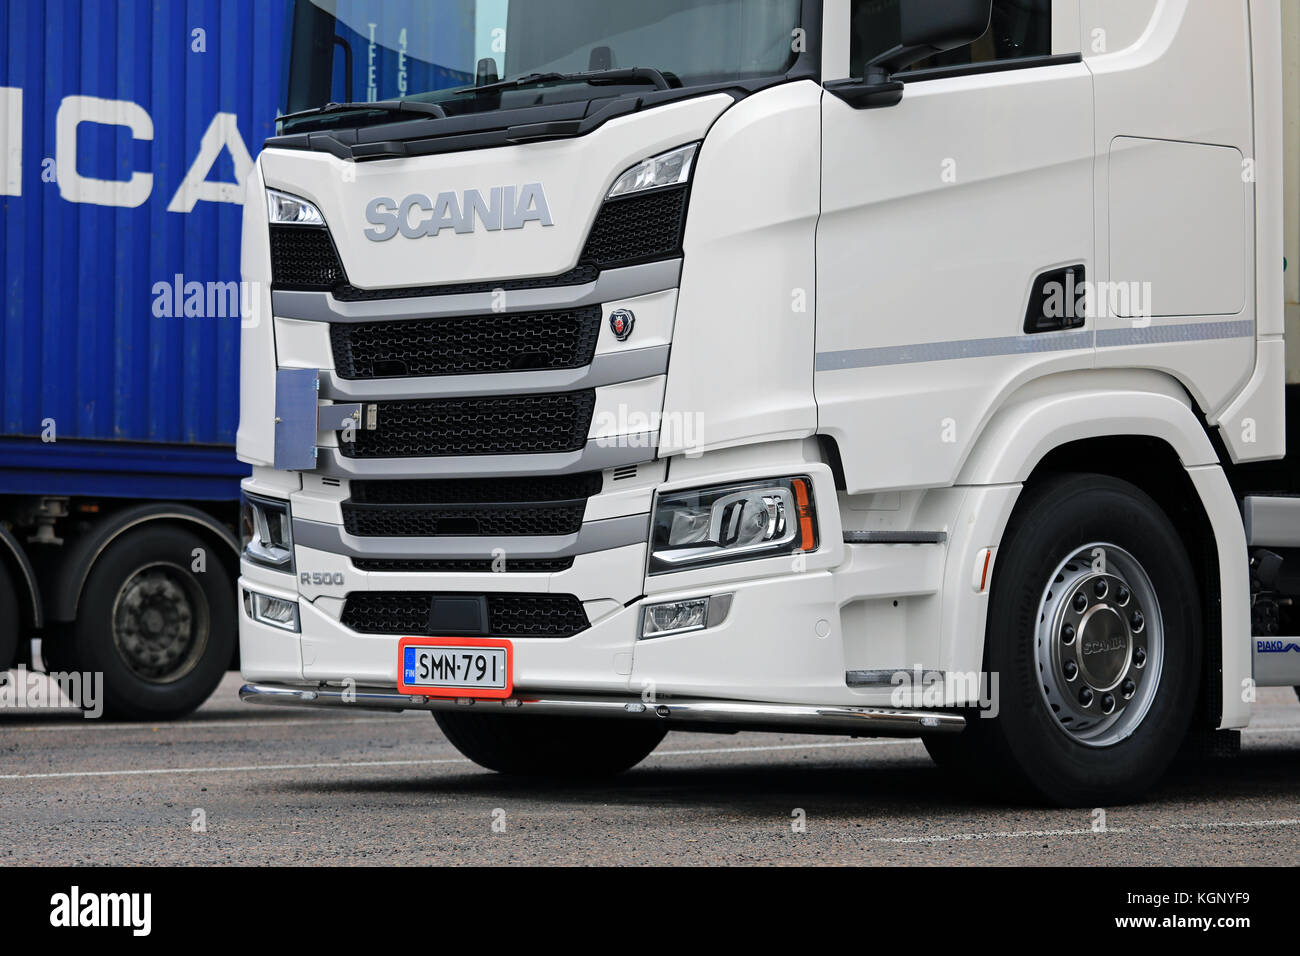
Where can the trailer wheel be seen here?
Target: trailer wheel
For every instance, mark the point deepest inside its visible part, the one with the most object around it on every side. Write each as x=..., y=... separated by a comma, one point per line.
x=550, y=746
x=1094, y=630
x=161, y=632
x=10, y=622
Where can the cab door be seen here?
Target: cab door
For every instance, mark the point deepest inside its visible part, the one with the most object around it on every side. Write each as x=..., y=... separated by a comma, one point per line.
x=942, y=216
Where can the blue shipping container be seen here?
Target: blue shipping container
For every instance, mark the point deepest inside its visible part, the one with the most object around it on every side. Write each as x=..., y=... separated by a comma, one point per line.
x=127, y=128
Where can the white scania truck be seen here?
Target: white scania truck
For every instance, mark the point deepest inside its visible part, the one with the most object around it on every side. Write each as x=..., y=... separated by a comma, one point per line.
x=877, y=367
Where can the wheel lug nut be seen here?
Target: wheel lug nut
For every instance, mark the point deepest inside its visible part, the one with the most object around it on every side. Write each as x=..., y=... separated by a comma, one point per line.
x=1100, y=587
x=1140, y=656
x=1085, y=697
x=1107, y=703
x=1136, y=621
x=1121, y=594
x=1071, y=670
x=1080, y=602
x=1067, y=634
x=1129, y=689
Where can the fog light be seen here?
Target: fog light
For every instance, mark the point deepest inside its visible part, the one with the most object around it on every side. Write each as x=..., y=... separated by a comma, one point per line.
x=680, y=617
x=272, y=611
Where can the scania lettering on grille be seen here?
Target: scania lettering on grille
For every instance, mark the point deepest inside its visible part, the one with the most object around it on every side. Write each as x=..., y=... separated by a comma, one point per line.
x=418, y=215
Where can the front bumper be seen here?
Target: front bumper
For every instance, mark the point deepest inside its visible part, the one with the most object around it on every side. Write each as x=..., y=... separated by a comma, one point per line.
x=700, y=714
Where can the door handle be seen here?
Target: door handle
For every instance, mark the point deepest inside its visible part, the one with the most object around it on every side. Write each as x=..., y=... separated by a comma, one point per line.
x=1057, y=301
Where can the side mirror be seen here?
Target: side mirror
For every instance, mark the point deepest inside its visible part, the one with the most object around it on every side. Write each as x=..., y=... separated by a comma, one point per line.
x=926, y=27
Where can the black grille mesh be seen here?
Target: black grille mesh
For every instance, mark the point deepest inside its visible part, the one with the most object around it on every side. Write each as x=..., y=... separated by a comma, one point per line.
x=418, y=521
x=463, y=565
x=462, y=346
x=582, y=275
x=509, y=615
x=469, y=507
x=510, y=425
x=456, y=491
x=638, y=229
x=629, y=230
x=303, y=257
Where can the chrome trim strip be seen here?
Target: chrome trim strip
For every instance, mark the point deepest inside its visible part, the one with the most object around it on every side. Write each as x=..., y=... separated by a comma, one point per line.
x=1165, y=334
x=895, y=537
x=597, y=455
x=603, y=535
x=946, y=351
x=1029, y=344
x=612, y=285
x=864, y=721
x=611, y=368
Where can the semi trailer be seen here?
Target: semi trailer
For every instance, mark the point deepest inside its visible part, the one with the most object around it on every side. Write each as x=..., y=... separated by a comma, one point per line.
x=871, y=367
x=127, y=129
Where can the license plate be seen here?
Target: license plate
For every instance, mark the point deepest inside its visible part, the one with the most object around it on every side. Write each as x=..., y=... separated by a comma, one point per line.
x=455, y=667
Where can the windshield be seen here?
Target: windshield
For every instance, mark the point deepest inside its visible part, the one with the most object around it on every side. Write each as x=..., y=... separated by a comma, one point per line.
x=357, y=51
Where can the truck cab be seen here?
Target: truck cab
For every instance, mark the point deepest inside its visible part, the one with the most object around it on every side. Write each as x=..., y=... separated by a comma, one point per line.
x=876, y=367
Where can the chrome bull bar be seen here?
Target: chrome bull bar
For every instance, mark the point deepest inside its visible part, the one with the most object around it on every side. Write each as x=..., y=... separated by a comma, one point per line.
x=855, y=721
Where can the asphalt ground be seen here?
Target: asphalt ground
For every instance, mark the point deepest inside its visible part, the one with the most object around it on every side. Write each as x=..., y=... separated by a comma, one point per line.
x=237, y=784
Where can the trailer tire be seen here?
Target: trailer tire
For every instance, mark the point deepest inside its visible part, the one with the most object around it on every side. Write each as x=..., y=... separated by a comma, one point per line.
x=524, y=745
x=1094, y=629
x=161, y=632
x=10, y=621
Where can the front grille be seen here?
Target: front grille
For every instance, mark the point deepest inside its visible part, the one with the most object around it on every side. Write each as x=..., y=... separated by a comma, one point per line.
x=508, y=425
x=464, y=565
x=420, y=521
x=582, y=275
x=410, y=613
x=634, y=229
x=638, y=229
x=469, y=507
x=463, y=346
x=455, y=491
x=303, y=257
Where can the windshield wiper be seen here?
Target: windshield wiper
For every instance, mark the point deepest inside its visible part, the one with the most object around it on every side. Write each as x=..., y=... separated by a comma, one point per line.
x=640, y=74
x=380, y=106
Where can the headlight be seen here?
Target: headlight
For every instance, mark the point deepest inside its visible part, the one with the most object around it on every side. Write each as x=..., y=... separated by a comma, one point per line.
x=267, y=533
x=667, y=169
x=272, y=611
x=285, y=210
x=732, y=523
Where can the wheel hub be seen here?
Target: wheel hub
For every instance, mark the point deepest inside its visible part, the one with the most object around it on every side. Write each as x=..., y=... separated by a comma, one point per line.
x=1099, y=644
x=155, y=627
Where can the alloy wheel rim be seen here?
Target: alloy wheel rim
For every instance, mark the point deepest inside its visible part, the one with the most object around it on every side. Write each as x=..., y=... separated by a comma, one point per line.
x=1100, y=645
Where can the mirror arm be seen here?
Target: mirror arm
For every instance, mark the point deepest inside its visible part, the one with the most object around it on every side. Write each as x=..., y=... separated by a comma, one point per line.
x=875, y=90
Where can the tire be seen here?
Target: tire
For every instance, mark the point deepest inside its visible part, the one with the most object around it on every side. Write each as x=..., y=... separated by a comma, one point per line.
x=10, y=621
x=550, y=746
x=1128, y=626
x=161, y=633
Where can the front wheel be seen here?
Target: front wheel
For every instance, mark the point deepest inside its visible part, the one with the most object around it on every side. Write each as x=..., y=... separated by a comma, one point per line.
x=550, y=746
x=1094, y=633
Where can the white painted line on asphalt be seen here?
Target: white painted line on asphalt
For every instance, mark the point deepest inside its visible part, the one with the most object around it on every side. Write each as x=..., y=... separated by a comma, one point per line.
x=996, y=836
x=1218, y=824
x=247, y=769
x=1088, y=831
x=190, y=724
x=412, y=763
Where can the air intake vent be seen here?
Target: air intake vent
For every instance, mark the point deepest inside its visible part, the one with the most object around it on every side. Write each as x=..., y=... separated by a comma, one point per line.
x=303, y=258
x=508, y=615
x=464, y=346
x=469, y=507
x=464, y=566
x=509, y=425
x=638, y=229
